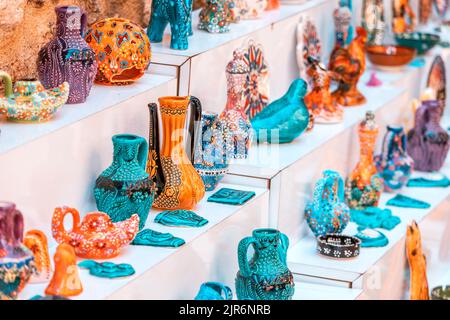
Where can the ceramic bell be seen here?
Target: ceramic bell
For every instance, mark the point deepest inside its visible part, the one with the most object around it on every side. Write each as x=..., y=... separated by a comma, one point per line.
x=36, y=241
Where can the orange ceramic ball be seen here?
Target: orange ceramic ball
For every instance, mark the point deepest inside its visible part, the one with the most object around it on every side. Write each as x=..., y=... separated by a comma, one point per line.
x=122, y=49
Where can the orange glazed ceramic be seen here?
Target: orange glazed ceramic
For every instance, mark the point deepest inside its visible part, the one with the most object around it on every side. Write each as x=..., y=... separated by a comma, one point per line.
x=122, y=49
x=179, y=186
x=272, y=4
x=97, y=237
x=36, y=241
x=65, y=281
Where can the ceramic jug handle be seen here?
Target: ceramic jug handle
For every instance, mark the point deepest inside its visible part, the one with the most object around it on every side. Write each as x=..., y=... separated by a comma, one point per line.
x=284, y=240
x=194, y=125
x=227, y=293
x=244, y=267
x=318, y=190
x=59, y=232
x=6, y=78
x=83, y=24
x=18, y=228
x=143, y=153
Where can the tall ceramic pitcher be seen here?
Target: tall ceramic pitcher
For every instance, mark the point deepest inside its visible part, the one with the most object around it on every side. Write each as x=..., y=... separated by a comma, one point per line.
x=178, y=184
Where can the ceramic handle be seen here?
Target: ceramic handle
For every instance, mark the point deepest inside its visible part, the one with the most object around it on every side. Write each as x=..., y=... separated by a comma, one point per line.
x=244, y=267
x=143, y=153
x=284, y=240
x=194, y=125
x=59, y=232
x=83, y=24
x=18, y=228
x=6, y=78
x=154, y=169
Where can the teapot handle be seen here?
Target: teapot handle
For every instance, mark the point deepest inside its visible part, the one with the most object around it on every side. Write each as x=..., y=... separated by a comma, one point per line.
x=194, y=125
x=282, y=250
x=244, y=267
x=143, y=153
x=6, y=78
x=18, y=228
x=59, y=232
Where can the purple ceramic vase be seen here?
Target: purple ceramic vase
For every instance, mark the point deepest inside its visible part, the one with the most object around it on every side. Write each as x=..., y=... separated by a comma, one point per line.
x=67, y=57
x=428, y=142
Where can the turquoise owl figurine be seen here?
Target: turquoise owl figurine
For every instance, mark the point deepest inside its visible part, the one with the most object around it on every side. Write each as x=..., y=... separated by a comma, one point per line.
x=284, y=119
x=266, y=276
x=328, y=212
x=176, y=13
x=124, y=188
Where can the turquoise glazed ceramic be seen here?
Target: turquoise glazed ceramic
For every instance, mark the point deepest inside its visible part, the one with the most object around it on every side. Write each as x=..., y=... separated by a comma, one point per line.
x=284, y=119
x=231, y=196
x=124, y=188
x=107, y=269
x=407, y=202
x=266, y=276
x=371, y=238
x=374, y=217
x=327, y=212
x=180, y=218
x=420, y=41
x=214, y=291
x=443, y=182
x=152, y=238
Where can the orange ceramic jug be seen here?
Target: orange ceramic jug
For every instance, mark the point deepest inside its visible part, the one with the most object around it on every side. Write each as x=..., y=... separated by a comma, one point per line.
x=65, y=281
x=36, y=241
x=97, y=237
x=179, y=186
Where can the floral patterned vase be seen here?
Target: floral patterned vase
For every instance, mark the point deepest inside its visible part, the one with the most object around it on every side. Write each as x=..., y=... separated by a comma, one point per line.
x=214, y=17
x=210, y=158
x=125, y=188
x=428, y=142
x=327, y=212
x=16, y=261
x=250, y=9
x=67, y=57
x=373, y=21
x=266, y=276
x=342, y=23
x=393, y=164
x=364, y=185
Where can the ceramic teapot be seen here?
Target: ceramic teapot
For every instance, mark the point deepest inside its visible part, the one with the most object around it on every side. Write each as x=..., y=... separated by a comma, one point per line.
x=96, y=237
x=29, y=101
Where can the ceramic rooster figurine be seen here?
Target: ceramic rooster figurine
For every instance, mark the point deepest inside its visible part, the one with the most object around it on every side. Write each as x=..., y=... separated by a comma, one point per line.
x=349, y=64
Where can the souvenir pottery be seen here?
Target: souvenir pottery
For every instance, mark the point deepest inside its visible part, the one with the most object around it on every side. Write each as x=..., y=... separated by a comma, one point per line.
x=373, y=81
x=148, y=237
x=349, y=64
x=403, y=17
x=125, y=188
x=327, y=212
x=232, y=11
x=393, y=164
x=442, y=182
x=36, y=242
x=440, y=293
x=122, y=49
x=428, y=142
x=374, y=217
x=210, y=156
x=66, y=280
x=425, y=9
x=371, y=238
x=338, y=246
x=237, y=125
x=214, y=18
x=178, y=185
x=272, y=5
x=390, y=57
x=256, y=86
x=421, y=41
x=342, y=23
x=175, y=13
x=441, y=7
x=373, y=21
x=318, y=100
x=437, y=80
x=16, y=261
x=231, y=196
x=180, y=218
x=29, y=101
x=308, y=45
x=418, y=283
x=214, y=291
x=266, y=276
x=108, y=270
x=402, y=201
x=284, y=119
x=67, y=57
x=251, y=9
x=96, y=237
x=363, y=186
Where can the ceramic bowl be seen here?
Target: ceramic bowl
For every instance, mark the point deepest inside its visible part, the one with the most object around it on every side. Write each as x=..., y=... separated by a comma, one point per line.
x=420, y=41
x=390, y=56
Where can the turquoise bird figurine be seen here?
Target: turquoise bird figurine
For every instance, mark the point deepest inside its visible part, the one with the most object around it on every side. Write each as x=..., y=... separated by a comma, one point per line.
x=284, y=119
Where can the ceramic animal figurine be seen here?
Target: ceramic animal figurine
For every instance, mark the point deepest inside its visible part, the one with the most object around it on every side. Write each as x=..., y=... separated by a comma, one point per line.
x=373, y=21
x=237, y=125
x=319, y=101
x=96, y=237
x=403, y=17
x=364, y=186
x=122, y=49
x=394, y=164
x=349, y=64
x=214, y=291
x=175, y=13
x=428, y=142
x=29, y=101
x=125, y=188
x=210, y=156
x=67, y=57
x=250, y=9
x=66, y=280
x=36, y=242
x=16, y=261
x=214, y=17
x=327, y=212
x=284, y=119
x=178, y=185
x=418, y=283
x=266, y=276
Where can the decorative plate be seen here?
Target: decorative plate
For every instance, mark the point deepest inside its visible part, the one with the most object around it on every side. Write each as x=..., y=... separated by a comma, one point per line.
x=373, y=21
x=436, y=79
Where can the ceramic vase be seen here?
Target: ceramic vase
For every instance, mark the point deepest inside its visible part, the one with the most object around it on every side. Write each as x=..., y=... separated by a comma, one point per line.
x=373, y=21
x=403, y=17
x=394, y=164
x=210, y=158
x=125, y=188
x=364, y=185
x=67, y=57
x=266, y=276
x=327, y=212
x=428, y=142
x=16, y=261
x=250, y=9
x=214, y=17
x=178, y=184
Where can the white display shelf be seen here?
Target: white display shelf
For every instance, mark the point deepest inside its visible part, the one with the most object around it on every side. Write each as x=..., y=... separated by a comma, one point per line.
x=101, y=98
x=312, y=291
x=144, y=258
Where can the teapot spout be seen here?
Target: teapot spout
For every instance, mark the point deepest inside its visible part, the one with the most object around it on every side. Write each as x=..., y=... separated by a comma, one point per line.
x=130, y=227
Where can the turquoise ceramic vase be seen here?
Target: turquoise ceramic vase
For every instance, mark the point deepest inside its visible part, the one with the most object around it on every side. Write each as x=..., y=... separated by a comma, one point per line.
x=327, y=212
x=124, y=188
x=266, y=276
x=284, y=119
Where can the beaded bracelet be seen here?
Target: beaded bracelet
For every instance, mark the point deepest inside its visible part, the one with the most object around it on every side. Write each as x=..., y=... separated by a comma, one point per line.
x=440, y=293
x=338, y=246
